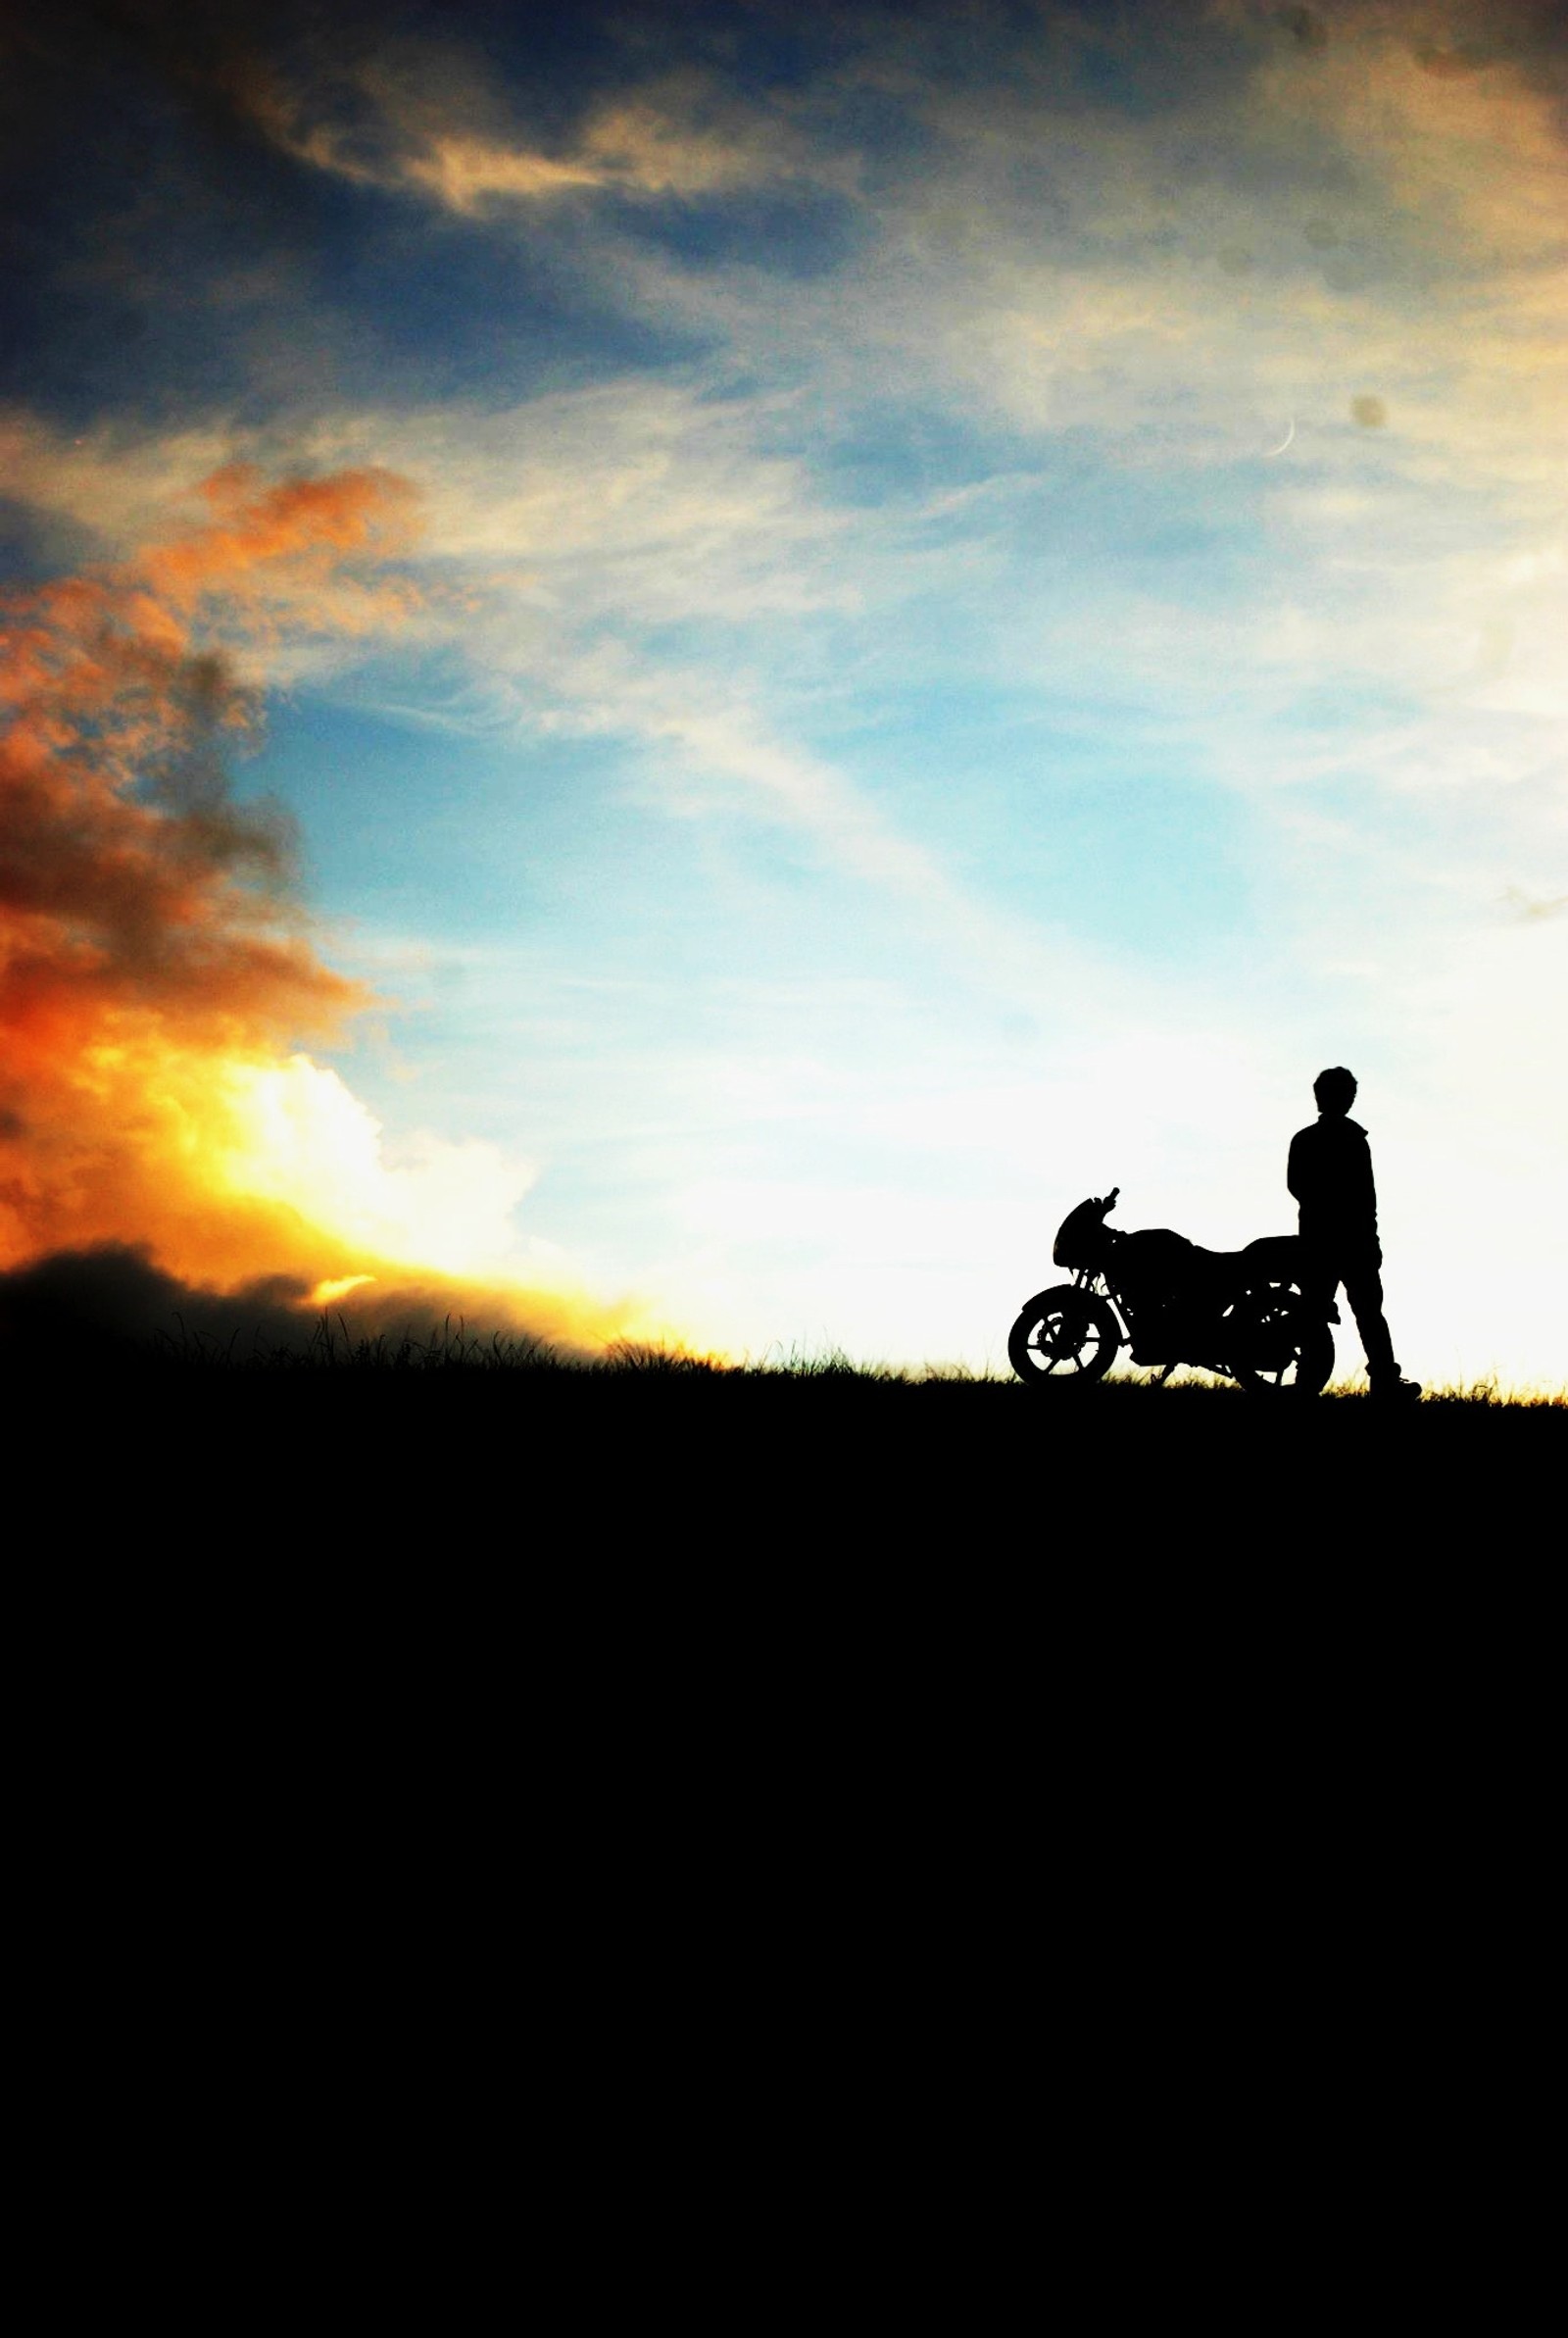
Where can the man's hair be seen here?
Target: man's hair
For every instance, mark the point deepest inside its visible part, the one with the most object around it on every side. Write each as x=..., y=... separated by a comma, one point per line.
x=1335, y=1089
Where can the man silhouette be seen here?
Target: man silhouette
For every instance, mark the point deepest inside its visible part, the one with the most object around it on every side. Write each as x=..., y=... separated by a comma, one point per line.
x=1330, y=1174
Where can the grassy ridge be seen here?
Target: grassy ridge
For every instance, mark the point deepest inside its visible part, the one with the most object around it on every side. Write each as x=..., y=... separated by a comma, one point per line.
x=482, y=1544
x=449, y=1451
x=334, y=1345
x=830, y=1388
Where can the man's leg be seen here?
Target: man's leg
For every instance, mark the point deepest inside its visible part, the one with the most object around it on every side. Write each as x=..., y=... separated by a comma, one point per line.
x=1363, y=1287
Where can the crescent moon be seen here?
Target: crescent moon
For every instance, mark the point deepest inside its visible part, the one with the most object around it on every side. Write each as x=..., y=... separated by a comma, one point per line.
x=1284, y=443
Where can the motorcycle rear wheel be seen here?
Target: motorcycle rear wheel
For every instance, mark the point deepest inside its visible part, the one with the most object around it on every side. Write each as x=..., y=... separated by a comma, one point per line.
x=1063, y=1335
x=1276, y=1344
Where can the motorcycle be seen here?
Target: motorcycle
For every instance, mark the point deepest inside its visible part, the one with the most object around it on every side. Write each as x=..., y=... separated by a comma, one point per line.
x=1245, y=1314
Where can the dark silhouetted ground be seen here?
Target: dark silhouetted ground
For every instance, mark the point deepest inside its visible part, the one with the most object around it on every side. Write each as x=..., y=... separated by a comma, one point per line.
x=632, y=1669
x=504, y=1450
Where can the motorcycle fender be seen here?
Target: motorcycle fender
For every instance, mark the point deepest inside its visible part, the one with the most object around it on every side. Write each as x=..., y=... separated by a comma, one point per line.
x=1056, y=1291
x=1041, y=1299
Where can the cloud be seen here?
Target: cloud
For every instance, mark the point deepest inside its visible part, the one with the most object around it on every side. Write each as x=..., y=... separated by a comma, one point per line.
x=110, y=1304
x=1531, y=912
x=428, y=119
x=1449, y=111
x=654, y=143
x=156, y=971
x=1017, y=438
x=94, y=1305
x=134, y=881
x=1047, y=269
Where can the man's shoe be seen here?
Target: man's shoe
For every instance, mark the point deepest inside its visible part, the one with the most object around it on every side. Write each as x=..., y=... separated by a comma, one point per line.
x=1392, y=1392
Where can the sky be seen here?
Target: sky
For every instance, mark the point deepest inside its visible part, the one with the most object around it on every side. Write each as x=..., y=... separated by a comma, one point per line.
x=681, y=670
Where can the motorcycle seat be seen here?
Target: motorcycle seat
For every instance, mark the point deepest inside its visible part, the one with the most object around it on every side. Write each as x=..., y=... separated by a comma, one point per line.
x=1274, y=1258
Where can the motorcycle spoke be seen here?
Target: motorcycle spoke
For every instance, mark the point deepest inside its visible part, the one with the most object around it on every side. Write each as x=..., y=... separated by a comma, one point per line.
x=1057, y=1350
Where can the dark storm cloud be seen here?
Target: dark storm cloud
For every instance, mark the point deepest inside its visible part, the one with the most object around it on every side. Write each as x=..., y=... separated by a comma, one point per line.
x=90, y=1305
x=108, y=1304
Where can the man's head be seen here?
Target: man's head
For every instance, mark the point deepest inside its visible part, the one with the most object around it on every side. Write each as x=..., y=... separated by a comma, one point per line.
x=1335, y=1089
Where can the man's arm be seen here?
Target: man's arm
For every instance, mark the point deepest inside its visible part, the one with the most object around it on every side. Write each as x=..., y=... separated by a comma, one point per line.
x=1366, y=1192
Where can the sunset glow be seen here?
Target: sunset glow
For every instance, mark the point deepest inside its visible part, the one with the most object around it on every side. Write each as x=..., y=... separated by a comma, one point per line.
x=676, y=672
x=156, y=965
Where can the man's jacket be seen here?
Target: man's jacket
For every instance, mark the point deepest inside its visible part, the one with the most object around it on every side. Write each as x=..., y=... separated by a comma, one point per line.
x=1330, y=1174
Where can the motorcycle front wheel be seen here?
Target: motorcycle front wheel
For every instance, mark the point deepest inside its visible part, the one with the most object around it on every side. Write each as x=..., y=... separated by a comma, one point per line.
x=1276, y=1345
x=1063, y=1335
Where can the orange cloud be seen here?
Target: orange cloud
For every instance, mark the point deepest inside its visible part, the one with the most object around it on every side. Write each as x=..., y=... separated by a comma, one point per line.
x=157, y=974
